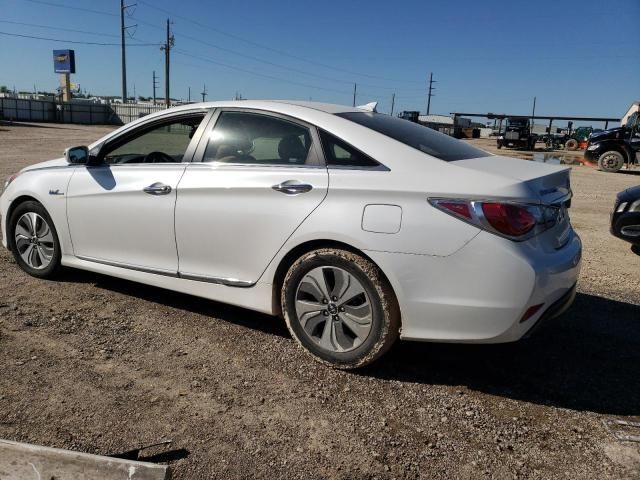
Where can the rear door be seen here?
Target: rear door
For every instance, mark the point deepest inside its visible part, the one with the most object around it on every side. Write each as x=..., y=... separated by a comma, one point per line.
x=259, y=176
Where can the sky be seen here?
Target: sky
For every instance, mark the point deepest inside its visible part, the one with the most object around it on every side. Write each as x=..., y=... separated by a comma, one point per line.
x=576, y=57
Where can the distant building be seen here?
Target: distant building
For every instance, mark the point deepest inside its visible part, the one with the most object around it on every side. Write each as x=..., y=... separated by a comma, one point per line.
x=635, y=107
x=444, y=123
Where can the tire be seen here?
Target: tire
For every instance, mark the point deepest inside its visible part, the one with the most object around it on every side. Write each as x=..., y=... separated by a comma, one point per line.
x=571, y=144
x=610, y=161
x=325, y=327
x=36, y=250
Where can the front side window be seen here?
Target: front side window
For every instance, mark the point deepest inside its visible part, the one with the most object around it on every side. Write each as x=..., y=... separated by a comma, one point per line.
x=250, y=138
x=165, y=143
x=417, y=136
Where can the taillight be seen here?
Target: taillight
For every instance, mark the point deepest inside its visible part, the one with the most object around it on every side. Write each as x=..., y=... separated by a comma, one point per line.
x=508, y=218
x=459, y=208
x=516, y=221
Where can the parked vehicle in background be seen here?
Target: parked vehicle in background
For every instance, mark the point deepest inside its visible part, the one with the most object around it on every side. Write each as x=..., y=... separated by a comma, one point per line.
x=580, y=136
x=625, y=218
x=518, y=134
x=412, y=115
x=357, y=227
x=617, y=147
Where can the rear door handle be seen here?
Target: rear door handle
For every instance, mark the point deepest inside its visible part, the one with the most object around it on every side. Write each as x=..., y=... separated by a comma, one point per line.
x=292, y=187
x=157, y=188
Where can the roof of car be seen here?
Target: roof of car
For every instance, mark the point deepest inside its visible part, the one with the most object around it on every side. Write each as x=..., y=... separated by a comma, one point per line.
x=323, y=107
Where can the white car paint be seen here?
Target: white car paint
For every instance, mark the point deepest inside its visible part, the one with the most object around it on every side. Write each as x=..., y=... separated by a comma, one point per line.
x=223, y=231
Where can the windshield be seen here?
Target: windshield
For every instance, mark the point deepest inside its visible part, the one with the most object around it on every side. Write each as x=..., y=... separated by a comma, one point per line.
x=417, y=136
x=517, y=122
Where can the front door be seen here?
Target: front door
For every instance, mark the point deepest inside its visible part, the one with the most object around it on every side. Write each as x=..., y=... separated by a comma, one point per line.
x=261, y=175
x=121, y=211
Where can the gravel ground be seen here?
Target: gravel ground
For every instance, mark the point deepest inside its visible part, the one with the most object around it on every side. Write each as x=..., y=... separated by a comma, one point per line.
x=103, y=365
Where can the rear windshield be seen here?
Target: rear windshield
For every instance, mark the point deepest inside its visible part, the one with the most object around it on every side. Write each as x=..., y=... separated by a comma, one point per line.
x=421, y=138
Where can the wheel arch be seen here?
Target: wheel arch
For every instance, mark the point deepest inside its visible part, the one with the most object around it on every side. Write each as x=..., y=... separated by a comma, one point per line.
x=12, y=206
x=299, y=250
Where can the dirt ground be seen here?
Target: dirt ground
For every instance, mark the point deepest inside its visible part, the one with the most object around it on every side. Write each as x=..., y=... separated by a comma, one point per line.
x=103, y=365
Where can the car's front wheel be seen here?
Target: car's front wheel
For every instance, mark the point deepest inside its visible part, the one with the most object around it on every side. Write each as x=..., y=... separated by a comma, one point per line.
x=339, y=307
x=611, y=161
x=33, y=240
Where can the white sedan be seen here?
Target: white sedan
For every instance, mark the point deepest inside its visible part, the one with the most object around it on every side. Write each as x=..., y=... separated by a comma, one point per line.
x=357, y=227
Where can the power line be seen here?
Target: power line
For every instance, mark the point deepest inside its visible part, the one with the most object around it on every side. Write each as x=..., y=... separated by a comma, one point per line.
x=59, y=28
x=266, y=47
x=292, y=69
x=270, y=77
x=267, y=62
x=82, y=9
x=77, y=41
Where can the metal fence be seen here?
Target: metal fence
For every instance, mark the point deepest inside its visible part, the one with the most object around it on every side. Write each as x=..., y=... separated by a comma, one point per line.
x=128, y=112
x=84, y=113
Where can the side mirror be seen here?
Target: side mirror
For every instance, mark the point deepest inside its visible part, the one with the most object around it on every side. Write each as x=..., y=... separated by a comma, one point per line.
x=77, y=155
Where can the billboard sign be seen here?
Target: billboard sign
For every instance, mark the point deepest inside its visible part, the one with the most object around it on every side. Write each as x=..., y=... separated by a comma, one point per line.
x=64, y=61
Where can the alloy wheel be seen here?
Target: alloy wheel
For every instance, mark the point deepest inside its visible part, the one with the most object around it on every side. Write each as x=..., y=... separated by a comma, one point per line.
x=333, y=309
x=34, y=240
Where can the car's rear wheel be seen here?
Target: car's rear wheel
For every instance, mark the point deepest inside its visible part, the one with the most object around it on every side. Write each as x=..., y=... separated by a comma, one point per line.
x=611, y=161
x=340, y=308
x=33, y=239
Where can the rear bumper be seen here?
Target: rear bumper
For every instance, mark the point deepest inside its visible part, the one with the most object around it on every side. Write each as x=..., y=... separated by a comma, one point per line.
x=480, y=293
x=555, y=310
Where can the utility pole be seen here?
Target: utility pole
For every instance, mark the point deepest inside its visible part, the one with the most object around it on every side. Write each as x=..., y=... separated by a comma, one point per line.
x=393, y=102
x=431, y=89
x=123, y=29
x=167, y=58
x=533, y=112
x=355, y=90
x=189, y=95
x=155, y=85
x=124, y=61
x=204, y=92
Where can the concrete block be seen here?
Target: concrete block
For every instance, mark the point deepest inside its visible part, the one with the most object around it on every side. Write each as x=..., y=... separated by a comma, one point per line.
x=23, y=461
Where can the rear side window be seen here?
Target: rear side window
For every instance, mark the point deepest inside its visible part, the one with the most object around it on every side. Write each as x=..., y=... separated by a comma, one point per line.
x=241, y=137
x=417, y=136
x=340, y=154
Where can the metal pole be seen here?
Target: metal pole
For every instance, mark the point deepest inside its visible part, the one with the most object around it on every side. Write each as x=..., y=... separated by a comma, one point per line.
x=431, y=82
x=355, y=90
x=167, y=49
x=533, y=112
x=393, y=102
x=124, y=62
x=154, y=87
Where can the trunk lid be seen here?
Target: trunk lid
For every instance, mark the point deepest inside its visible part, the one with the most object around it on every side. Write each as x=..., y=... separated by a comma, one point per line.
x=549, y=183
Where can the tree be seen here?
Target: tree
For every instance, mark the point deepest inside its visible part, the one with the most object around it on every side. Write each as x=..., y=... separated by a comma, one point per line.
x=4, y=89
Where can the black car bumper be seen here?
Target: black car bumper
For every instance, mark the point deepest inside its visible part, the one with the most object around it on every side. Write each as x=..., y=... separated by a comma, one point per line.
x=625, y=218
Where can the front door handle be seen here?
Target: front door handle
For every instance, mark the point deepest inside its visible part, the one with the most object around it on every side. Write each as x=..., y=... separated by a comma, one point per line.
x=292, y=187
x=157, y=188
